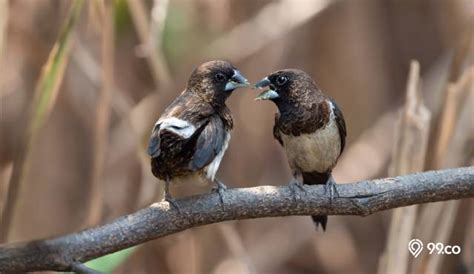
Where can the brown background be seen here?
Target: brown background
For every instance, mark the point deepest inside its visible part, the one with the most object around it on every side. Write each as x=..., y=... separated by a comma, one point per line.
x=357, y=51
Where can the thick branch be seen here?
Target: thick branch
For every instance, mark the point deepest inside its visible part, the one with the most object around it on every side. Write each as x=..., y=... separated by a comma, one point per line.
x=158, y=220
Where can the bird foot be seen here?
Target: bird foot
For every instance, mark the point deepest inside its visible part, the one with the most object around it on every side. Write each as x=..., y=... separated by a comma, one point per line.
x=172, y=202
x=296, y=187
x=331, y=189
x=220, y=188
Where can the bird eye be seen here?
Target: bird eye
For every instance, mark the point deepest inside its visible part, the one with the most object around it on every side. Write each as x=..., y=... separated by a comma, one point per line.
x=220, y=77
x=281, y=80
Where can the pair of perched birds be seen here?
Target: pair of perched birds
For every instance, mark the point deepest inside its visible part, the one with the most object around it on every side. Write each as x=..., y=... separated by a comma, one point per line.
x=192, y=135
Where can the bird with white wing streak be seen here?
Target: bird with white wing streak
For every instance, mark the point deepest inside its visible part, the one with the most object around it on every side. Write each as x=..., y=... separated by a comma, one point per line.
x=193, y=133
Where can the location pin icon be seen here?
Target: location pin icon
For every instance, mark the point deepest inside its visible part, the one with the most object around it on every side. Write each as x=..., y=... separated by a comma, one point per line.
x=415, y=247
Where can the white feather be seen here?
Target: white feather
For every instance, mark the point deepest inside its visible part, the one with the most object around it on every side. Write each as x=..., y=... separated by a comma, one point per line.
x=212, y=168
x=179, y=127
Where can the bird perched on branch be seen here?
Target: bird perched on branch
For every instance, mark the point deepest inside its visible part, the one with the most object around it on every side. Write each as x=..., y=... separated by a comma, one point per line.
x=192, y=135
x=310, y=127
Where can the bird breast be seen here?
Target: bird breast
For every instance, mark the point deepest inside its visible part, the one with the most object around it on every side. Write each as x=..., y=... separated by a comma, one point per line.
x=317, y=151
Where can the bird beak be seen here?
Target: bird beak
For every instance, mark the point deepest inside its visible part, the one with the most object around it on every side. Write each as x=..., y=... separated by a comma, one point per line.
x=265, y=82
x=236, y=81
x=269, y=94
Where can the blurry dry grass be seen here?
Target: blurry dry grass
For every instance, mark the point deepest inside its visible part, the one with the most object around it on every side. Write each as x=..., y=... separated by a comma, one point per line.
x=3, y=23
x=101, y=128
x=151, y=45
x=117, y=84
x=43, y=102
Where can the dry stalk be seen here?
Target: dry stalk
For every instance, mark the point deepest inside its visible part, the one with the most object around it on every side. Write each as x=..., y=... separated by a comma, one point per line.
x=261, y=33
x=101, y=128
x=409, y=154
x=434, y=225
x=236, y=247
x=155, y=58
x=3, y=25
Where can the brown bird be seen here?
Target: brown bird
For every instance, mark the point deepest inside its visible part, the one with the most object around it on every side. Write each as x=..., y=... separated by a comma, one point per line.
x=192, y=135
x=310, y=127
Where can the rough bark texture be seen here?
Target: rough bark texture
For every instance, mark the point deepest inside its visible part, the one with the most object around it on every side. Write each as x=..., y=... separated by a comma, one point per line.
x=361, y=198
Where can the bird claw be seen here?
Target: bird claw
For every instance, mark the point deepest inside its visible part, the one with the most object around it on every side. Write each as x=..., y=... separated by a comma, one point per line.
x=220, y=188
x=331, y=187
x=295, y=186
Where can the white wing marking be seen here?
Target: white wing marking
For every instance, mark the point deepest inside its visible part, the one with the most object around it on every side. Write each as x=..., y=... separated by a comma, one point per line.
x=177, y=126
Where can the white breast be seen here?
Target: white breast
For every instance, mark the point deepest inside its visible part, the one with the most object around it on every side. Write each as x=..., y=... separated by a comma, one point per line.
x=212, y=168
x=316, y=151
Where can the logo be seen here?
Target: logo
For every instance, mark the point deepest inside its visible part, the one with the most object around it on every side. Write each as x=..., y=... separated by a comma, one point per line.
x=415, y=247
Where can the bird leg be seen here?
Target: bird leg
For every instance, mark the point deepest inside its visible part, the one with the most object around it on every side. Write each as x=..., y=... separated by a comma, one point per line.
x=331, y=187
x=170, y=198
x=296, y=186
x=220, y=188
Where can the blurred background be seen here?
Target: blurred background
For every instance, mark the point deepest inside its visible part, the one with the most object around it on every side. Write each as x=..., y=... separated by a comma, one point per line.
x=82, y=83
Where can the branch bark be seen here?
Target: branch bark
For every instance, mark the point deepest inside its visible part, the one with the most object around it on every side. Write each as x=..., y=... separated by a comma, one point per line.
x=361, y=198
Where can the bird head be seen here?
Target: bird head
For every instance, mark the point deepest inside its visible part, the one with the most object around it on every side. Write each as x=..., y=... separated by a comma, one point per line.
x=215, y=81
x=286, y=86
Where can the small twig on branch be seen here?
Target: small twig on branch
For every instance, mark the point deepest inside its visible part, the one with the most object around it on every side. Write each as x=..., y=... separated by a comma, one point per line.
x=79, y=268
x=361, y=198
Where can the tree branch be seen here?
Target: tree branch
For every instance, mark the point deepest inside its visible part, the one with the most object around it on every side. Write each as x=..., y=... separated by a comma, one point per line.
x=361, y=198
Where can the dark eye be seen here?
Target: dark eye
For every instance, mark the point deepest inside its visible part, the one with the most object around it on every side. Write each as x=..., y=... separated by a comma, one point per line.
x=281, y=80
x=220, y=77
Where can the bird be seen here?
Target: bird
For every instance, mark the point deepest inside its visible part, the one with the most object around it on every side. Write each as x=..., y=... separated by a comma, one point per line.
x=192, y=134
x=310, y=127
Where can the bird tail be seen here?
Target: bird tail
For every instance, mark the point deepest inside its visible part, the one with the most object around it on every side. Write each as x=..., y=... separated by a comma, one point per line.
x=316, y=178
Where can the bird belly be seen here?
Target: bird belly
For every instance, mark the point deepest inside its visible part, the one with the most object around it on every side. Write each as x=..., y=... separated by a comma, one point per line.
x=316, y=151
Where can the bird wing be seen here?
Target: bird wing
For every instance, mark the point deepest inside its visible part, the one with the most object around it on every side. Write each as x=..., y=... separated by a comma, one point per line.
x=341, y=124
x=211, y=140
x=276, y=131
x=181, y=120
x=154, y=142
x=173, y=131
